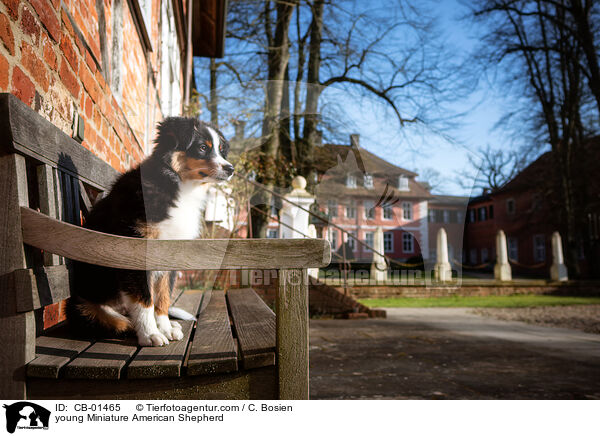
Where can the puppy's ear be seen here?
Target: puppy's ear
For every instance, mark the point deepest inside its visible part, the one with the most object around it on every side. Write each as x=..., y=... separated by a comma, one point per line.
x=175, y=133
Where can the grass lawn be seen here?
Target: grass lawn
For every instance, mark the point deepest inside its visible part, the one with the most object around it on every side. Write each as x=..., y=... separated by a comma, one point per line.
x=492, y=301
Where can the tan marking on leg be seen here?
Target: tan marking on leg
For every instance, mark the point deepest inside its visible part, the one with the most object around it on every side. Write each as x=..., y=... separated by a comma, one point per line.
x=147, y=230
x=105, y=316
x=161, y=291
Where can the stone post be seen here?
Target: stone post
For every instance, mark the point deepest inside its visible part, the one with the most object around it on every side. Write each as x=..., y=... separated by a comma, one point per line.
x=379, y=266
x=293, y=216
x=558, y=270
x=442, y=269
x=312, y=232
x=502, y=270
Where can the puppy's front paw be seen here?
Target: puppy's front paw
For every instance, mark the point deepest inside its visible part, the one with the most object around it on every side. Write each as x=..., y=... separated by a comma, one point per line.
x=153, y=340
x=172, y=332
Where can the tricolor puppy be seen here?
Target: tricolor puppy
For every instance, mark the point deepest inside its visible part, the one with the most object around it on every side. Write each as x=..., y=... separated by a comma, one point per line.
x=161, y=199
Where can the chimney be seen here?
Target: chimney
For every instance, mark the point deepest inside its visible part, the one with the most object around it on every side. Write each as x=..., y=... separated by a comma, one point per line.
x=239, y=129
x=355, y=140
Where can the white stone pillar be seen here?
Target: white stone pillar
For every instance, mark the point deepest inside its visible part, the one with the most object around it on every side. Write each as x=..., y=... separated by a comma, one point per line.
x=312, y=232
x=502, y=270
x=442, y=268
x=379, y=266
x=558, y=270
x=293, y=216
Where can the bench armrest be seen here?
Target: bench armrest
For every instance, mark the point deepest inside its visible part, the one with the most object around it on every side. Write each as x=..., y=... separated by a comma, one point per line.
x=77, y=243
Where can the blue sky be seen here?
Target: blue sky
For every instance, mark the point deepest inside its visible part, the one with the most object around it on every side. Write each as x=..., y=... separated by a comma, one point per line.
x=419, y=148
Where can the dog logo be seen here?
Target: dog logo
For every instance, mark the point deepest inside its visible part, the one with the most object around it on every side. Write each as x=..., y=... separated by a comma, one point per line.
x=26, y=415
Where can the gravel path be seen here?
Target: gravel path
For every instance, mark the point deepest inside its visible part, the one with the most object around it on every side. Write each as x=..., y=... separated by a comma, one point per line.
x=580, y=317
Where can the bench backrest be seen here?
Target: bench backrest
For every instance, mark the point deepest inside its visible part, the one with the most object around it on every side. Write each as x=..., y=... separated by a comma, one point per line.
x=45, y=169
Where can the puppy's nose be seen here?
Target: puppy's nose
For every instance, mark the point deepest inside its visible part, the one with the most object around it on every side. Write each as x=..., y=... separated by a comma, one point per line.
x=228, y=169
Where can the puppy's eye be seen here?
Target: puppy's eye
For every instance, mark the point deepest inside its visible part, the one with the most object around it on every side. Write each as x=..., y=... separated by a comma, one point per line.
x=203, y=148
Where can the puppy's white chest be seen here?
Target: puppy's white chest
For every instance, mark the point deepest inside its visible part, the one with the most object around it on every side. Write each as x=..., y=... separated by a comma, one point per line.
x=183, y=220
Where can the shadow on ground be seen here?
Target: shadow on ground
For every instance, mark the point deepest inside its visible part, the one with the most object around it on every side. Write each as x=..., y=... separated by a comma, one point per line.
x=417, y=357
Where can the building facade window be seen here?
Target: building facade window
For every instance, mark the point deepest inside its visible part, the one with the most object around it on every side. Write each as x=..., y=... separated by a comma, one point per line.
x=539, y=248
x=369, y=210
x=472, y=215
x=350, y=181
x=332, y=235
x=491, y=212
x=352, y=240
x=351, y=210
x=332, y=208
x=484, y=255
x=513, y=248
x=388, y=242
x=403, y=183
x=272, y=233
x=482, y=214
x=369, y=240
x=407, y=213
x=388, y=212
x=408, y=244
x=473, y=256
x=510, y=206
x=446, y=214
x=368, y=181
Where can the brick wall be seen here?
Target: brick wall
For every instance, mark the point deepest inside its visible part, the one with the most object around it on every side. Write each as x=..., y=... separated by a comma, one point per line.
x=50, y=58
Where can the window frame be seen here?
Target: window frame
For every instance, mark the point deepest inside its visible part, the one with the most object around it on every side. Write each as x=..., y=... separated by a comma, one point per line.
x=367, y=209
x=405, y=209
x=408, y=238
x=390, y=236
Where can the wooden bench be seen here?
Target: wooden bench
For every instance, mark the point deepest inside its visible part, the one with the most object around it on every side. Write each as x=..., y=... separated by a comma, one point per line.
x=237, y=348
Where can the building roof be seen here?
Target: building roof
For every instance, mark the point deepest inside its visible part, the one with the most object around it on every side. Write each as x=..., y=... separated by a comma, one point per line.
x=335, y=162
x=448, y=200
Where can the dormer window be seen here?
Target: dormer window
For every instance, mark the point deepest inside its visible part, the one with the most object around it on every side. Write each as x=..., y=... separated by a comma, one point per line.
x=350, y=181
x=403, y=183
x=368, y=181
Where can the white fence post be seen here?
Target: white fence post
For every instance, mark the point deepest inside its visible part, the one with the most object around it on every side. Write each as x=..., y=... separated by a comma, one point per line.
x=558, y=270
x=442, y=268
x=502, y=270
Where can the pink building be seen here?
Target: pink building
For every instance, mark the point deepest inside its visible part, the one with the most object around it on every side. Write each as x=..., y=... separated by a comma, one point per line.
x=359, y=191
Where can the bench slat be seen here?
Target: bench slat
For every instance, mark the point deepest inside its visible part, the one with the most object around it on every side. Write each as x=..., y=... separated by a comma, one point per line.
x=52, y=353
x=40, y=287
x=86, y=245
x=189, y=301
x=213, y=349
x=156, y=362
x=254, y=324
x=103, y=360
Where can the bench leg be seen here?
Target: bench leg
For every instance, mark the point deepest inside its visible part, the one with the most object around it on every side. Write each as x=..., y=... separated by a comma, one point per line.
x=17, y=336
x=292, y=334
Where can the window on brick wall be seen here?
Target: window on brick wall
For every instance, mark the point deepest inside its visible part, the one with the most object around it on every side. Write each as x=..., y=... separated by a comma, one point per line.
x=513, y=248
x=407, y=211
x=333, y=238
x=388, y=212
x=272, y=233
x=539, y=248
x=170, y=92
x=351, y=209
x=369, y=210
x=388, y=242
x=116, y=54
x=352, y=241
x=408, y=244
x=369, y=240
x=332, y=208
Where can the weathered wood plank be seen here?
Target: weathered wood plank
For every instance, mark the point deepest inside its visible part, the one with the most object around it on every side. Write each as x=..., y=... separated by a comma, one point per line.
x=17, y=330
x=189, y=301
x=150, y=254
x=254, y=325
x=212, y=350
x=157, y=362
x=103, y=360
x=85, y=199
x=53, y=353
x=27, y=132
x=256, y=384
x=292, y=334
x=67, y=192
x=48, y=205
x=39, y=287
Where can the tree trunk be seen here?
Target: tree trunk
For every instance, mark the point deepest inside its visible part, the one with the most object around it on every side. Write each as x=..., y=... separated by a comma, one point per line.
x=305, y=147
x=214, y=96
x=277, y=59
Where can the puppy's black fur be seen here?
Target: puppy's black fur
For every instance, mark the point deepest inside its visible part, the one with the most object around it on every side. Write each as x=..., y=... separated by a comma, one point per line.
x=140, y=199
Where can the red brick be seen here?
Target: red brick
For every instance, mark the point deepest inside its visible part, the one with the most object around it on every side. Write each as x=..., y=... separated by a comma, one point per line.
x=67, y=48
x=47, y=14
x=22, y=86
x=90, y=61
x=30, y=25
x=49, y=55
x=32, y=63
x=89, y=106
x=4, y=70
x=68, y=78
x=89, y=82
x=6, y=34
x=13, y=8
